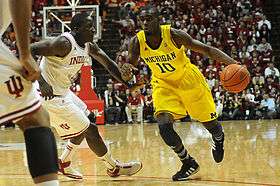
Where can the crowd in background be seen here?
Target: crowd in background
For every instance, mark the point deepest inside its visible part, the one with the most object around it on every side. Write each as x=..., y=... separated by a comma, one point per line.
x=237, y=27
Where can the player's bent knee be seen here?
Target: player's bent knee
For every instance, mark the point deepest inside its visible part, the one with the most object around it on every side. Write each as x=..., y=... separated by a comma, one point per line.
x=214, y=127
x=163, y=118
x=166, y=130
x=165, y=123
x=211, y=124
x=41, y=151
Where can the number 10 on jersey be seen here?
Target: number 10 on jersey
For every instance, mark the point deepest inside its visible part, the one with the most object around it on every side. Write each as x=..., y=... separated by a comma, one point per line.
x=165, y=67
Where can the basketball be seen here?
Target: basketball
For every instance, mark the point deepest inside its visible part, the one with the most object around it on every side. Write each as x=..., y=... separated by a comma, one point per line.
x=235, y=78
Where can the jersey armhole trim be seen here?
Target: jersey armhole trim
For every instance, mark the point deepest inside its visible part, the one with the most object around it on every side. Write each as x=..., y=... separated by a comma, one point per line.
x=140, y=38
x=172, y=40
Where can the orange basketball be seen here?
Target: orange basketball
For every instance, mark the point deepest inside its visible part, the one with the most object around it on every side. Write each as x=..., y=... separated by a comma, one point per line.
x=235, y=78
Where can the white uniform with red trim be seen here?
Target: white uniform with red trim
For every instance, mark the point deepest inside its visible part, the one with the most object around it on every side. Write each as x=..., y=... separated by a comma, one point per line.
x=18, y=96
x=68, y=113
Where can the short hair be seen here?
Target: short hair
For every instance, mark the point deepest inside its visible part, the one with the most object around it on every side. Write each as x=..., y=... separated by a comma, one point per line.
x=150, y=7
x=78, y=20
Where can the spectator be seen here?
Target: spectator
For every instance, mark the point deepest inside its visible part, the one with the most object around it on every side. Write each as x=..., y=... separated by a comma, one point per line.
x=112, y=109
x=103, y=7
x=258, y=79
x=265, y=32
x=211, y=81
x=267, y=57
x=268, y=106
x=252, y=45
x=134, y=105
x=271, y=71
x=228, y=108
x=124, y=11
x=264, y=46
x=148, y=108
x=238, y=111
x=122, y=100
x=219, y=105
x=264, y=21
x=243, y=54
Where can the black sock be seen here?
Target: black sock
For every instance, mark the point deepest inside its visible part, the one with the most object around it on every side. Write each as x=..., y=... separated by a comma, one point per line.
x=182, y=153
x=170, y=136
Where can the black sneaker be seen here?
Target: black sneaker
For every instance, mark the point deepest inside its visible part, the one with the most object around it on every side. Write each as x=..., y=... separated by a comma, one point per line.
x=218, y=149
x=189, y=167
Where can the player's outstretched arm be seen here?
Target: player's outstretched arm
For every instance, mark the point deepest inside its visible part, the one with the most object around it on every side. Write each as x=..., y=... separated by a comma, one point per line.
x=182, y=38
x=98, y=54
x=59, y=47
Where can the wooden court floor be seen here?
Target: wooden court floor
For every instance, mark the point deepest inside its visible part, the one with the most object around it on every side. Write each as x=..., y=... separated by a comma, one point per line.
x=252, y=156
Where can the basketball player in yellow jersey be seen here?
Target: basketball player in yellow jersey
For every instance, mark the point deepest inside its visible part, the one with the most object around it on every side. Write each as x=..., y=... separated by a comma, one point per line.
x=179, y=88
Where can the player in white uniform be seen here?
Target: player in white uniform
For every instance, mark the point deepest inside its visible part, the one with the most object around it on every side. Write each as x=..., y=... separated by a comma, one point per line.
x=63, y=58
x=19, y=100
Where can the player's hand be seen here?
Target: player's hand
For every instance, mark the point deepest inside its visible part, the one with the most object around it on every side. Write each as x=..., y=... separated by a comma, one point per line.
x=46, y=89
x=30, y=70
x=137, y=86
x=91, y=47
x=127, y=71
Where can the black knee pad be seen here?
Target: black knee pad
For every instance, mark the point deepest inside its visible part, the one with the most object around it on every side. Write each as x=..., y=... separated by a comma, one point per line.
x=164, y=118
x=167, y=132
x=41, y=151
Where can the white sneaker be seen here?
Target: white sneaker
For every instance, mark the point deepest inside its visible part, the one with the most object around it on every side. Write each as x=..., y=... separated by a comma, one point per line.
x=128, y=169
x=66, y=169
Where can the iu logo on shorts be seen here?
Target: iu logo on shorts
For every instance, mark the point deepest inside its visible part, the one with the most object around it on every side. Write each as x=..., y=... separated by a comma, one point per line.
x=65, y=126
x=15, y=86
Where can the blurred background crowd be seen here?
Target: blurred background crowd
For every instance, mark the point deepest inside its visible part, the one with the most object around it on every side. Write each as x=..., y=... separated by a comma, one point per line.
x=238, y=27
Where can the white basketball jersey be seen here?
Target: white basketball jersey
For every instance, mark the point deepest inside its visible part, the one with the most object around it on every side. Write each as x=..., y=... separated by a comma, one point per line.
x=61, y=72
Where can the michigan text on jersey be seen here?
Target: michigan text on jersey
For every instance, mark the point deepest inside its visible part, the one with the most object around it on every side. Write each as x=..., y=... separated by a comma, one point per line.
x=160, y=58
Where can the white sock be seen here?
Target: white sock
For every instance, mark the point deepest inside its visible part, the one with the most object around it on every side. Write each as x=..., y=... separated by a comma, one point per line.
x=110, y=163
x=49, y=183
x=68, y=152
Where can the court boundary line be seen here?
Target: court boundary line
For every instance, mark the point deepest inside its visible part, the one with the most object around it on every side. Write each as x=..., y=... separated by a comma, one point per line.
x=158, y=178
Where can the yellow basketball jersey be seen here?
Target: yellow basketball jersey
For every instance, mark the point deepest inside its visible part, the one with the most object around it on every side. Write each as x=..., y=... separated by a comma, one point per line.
x=167, y=63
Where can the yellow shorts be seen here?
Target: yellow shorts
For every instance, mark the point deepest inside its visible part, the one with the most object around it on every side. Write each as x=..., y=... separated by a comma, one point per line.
x=189, y=96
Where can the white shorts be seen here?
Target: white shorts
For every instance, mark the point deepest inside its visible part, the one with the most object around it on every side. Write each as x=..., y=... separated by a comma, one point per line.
x=68, y=115
x=18, y=96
